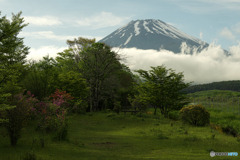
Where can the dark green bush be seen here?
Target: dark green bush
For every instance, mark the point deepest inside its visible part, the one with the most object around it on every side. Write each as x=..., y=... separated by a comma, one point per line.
x=230, y=130
x=173, y=115
x=195, y=115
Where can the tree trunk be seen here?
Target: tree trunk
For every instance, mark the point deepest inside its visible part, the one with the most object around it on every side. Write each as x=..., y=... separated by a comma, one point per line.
x=155, y=111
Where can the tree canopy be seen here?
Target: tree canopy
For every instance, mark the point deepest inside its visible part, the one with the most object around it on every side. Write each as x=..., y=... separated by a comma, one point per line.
x=162, y=90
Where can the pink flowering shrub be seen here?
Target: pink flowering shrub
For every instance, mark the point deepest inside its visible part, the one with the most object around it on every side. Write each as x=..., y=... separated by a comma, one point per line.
x=52, y=118
x=18, y=116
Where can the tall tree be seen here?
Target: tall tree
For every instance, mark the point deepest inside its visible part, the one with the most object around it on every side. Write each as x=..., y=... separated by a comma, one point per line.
x=12, y=55
x=126, y=79
x=96, y=62
x=162, y=90
x=67, y=61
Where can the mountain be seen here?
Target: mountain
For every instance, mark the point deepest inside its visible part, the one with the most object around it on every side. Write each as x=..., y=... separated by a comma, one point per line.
x=152, y=34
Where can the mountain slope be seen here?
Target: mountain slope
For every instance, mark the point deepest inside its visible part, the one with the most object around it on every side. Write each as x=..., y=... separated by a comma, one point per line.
x=152, y=34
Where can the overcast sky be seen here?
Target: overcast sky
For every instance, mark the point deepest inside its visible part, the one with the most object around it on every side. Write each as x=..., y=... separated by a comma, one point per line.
x=216, y=22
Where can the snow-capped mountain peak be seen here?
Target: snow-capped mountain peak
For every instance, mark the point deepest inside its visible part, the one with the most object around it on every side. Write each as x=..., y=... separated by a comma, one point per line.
x=151, y=34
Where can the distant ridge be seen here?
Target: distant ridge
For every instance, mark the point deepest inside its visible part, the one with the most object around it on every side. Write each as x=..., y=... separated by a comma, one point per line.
x=233, y=85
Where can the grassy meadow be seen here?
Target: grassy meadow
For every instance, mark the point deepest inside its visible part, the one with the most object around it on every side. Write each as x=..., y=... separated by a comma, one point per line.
x=226, y=101
x=106, y=135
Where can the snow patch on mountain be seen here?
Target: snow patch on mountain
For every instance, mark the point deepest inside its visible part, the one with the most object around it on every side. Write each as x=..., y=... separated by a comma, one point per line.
x=184, y=35
x=136, y=29
x=122, y=35
x=162, y=28
x=120, y=29
x=144, y=25
x=157, y=31
x=129, y=38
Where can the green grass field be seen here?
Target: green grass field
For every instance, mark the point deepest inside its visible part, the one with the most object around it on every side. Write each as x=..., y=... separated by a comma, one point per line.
x=226, y=101
x=106, y=135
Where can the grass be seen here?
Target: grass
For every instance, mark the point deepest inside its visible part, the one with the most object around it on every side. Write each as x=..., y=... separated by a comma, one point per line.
x=226, y=101
x=111, y=136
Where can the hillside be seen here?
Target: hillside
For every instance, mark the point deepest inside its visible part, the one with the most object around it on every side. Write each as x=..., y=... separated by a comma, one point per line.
x=233, y=85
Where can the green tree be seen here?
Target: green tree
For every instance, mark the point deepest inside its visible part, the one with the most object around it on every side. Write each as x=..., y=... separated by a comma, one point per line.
x=89, y=58
x=67, y=61
x=12, y=66
x=162, y=90
x=99, y=65
x=125, y=87
x=39, y=77
x=94, y=61
x=72, y=83
x=12, y=55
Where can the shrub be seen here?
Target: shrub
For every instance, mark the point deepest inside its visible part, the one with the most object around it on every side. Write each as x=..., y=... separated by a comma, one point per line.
x=52, y=119
x=173, y=115
x=61, y=134
x=18, y=116
x=195, y=115
x=61, y=98
x=230, y=130
x=216, y=127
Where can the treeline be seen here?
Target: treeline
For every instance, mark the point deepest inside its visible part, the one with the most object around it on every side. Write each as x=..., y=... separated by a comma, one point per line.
x=223, y=85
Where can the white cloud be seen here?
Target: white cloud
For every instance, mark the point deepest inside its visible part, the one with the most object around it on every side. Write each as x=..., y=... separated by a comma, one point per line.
x=38, y=54
x=205, y=67
x=104, y=19
x=226, y=33
x=235, y=50
x=236, y=28
x=210, y=65
x=51, y=35
x=201, y=35
x=42, y=21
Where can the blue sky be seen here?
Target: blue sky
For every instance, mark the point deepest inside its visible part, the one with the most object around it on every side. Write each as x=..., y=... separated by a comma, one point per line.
x=216, y=22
